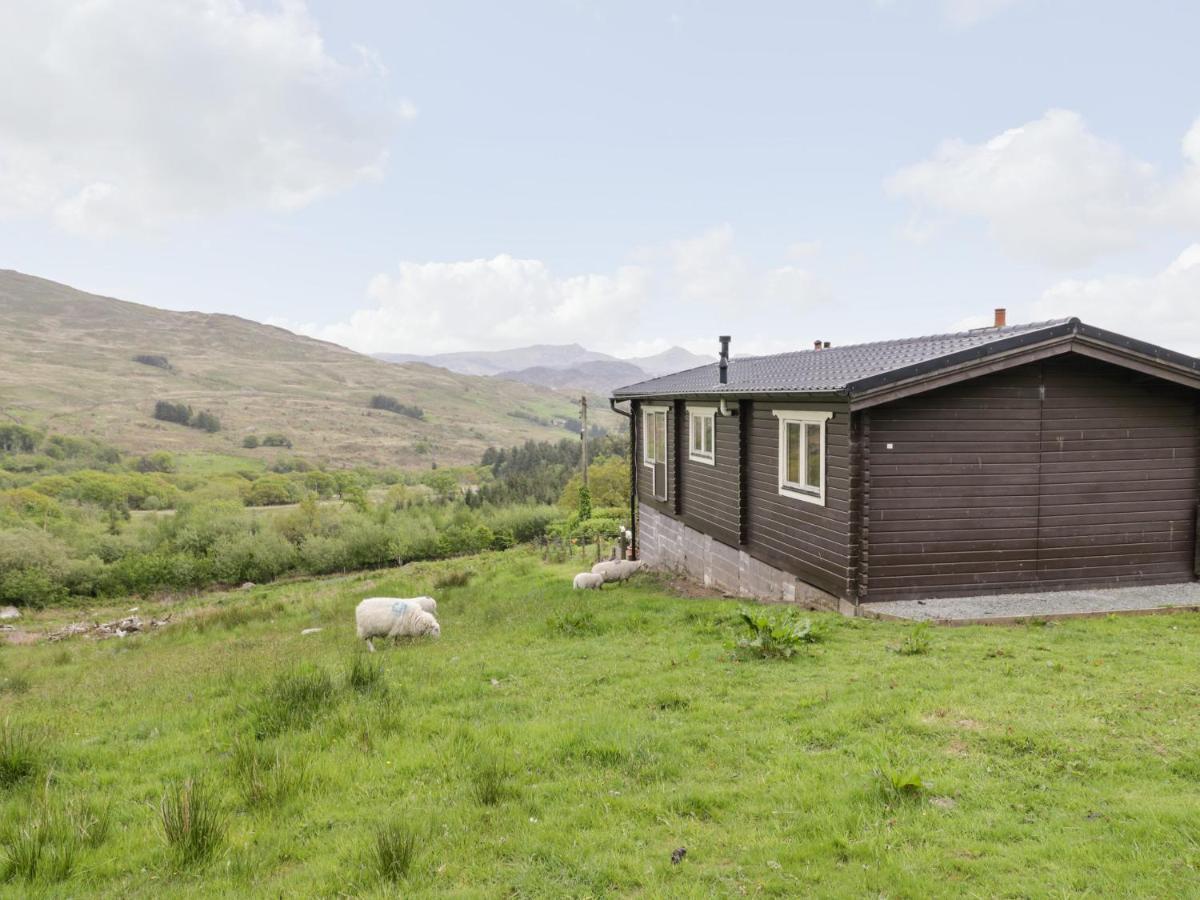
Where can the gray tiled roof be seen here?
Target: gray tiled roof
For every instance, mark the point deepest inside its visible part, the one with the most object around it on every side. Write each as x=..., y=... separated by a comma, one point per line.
x=841, y=369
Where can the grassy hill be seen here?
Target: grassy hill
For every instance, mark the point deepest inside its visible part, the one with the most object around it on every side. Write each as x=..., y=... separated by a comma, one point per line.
x=553, y=745
x=67, y=365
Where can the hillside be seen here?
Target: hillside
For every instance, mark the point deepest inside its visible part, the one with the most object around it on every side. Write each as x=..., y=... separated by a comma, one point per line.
x=66, y=364
x=595, y=376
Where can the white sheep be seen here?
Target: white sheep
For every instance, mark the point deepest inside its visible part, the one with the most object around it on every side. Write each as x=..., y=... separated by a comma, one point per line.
x=616, y=569
x=394, y=618
x=586, y=581
x=426, y=603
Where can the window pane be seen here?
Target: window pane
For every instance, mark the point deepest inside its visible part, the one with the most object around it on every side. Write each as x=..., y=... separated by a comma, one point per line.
x=697, y=443
x=812, y=454
x=793, y=453
x=708, y=435
x=660, y=437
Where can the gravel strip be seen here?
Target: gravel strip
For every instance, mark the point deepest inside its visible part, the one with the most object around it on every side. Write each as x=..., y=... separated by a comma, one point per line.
x=1041, y=605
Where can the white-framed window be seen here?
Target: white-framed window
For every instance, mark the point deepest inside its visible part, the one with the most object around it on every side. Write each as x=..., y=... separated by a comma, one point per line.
x=802, y=454
x=702, y=431
x=654, y=448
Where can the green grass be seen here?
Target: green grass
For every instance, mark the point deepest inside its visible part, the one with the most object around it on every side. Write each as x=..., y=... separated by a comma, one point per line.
x=557, y=745
x=210, y=464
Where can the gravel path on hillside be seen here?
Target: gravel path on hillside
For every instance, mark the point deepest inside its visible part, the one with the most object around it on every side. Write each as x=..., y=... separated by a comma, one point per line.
x=1047, y=603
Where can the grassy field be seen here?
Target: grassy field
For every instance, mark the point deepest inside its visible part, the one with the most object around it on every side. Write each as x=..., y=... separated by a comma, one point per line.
x=66, y=365
x=559, y=744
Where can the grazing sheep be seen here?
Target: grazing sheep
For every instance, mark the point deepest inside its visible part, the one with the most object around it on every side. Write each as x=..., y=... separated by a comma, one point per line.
x=587, y=581
x=426, y=603
x=394, y=618
x=616, y=569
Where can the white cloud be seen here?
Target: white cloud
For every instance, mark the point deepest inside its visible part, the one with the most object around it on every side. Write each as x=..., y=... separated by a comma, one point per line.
x=129, y=115
x=438, y=307
x=1161, y=308
x=502, y=302
x=1052, y=191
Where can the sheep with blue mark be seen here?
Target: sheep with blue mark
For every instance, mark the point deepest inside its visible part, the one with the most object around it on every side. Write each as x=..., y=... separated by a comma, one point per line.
x=396, y=617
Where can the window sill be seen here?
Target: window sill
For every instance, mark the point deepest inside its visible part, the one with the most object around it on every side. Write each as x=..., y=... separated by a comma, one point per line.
x=707, y=460
x=803, y=495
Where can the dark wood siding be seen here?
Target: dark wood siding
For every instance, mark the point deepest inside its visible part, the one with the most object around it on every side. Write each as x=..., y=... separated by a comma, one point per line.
x=989, y=487
x=805, y=539
x=708, y=494
x=1118, y=498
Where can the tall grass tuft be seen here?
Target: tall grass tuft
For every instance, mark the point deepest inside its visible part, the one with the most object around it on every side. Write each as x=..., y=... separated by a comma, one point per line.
x=916, y=643
x=43, y=846
x=365, y=674
x=490, y=782
x=453, y=579
x=22, y=754
x=264, y=779
x=36, y=849
x=293, y=701
x=395, y=849
x=193, y=820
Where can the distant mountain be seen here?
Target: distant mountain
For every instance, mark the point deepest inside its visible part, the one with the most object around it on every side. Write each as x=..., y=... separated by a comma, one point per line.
x=674, y=360
x=493, y=362
x=560, y=366
x=596, y=376
x=77, y=363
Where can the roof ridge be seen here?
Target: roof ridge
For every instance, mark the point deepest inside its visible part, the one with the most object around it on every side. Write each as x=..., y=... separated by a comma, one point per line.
x=1000, y=332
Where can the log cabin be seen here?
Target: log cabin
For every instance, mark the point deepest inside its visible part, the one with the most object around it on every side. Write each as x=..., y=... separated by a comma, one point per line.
x=1014, y=458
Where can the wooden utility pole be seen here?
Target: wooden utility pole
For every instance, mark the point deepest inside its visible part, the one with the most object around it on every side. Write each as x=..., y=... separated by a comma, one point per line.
x=584, y=435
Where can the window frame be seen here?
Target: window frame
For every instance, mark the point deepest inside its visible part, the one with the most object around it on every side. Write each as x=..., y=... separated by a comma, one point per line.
x=803, y=418
x=648, y=413
x=700, y=414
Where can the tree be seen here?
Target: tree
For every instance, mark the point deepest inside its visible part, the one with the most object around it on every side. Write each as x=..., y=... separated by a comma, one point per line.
x=608, y=483
x=179, y=413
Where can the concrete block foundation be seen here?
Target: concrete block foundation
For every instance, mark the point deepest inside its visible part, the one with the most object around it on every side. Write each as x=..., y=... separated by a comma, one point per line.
x=667, y=544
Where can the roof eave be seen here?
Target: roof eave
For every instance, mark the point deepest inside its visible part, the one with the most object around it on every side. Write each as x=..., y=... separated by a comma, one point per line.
x=1071, y=337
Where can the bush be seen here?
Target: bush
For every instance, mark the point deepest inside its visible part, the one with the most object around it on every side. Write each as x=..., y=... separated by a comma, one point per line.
x=193, y=820
x=774, y=637
x=272, y=490
x=182, y=414
x=250, y=441
x=257, y=557
x=391, y=404
x=277, y=440
x=179, y=413
x=158, y=461
x=18, y=438
x=150, y=359
x=30, y=504
x=206, y=421
x=32, y=568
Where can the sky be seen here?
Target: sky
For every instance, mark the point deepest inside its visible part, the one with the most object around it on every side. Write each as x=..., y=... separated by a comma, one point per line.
x=439, y=176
